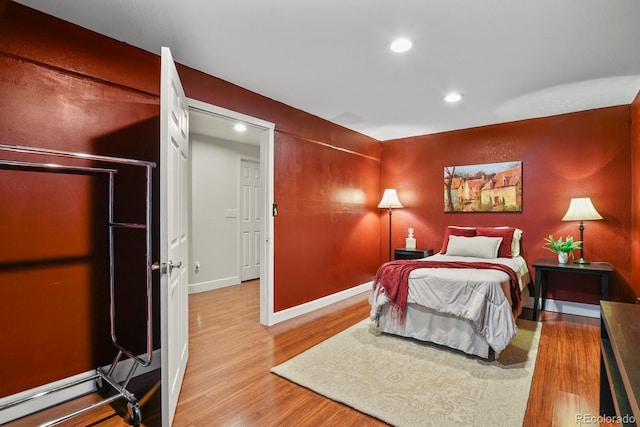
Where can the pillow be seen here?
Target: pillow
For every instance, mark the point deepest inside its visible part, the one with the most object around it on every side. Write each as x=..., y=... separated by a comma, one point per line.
x=478, y=246
x=515, y=245
x=516, y=241
x=505, y=250
x=452, y=230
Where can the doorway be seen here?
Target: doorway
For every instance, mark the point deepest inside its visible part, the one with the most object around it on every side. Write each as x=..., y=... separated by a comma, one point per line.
x=212, y=129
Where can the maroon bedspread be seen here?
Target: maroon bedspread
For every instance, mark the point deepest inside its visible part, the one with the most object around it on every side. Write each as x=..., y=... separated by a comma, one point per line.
x=393, y=276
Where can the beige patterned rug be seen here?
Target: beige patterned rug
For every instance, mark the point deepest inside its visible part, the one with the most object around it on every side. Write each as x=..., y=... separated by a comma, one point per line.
x=407, y=383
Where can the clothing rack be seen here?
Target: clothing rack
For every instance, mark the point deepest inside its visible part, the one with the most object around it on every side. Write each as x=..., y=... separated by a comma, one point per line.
x=103, y=380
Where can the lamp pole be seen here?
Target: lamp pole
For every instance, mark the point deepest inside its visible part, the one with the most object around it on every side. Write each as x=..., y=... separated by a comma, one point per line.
x=582, y=260
x=389, y=234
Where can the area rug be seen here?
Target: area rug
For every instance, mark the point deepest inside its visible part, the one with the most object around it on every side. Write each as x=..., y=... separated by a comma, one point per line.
x=408, y=383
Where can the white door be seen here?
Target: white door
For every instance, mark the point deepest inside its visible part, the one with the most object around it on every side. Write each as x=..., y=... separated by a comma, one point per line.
x=174, y=303
x=250, y=209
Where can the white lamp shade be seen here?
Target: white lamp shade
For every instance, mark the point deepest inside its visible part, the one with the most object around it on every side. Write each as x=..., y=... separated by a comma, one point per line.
x=581, y=209
x=390, y=199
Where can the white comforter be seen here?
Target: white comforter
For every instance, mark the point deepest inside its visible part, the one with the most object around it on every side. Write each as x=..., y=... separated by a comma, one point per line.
x=479, y=295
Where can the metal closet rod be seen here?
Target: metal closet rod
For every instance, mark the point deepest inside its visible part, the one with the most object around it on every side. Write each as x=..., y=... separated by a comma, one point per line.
x=60, y=168
x=74, y=155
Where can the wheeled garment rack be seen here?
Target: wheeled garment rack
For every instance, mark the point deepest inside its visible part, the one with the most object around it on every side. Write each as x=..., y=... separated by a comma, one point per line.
x=103, y=380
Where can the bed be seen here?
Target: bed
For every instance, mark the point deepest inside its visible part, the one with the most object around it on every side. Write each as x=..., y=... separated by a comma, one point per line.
x=466, y=297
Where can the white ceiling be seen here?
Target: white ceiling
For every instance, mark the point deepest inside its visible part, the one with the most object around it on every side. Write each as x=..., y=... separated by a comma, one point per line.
x=511, y=60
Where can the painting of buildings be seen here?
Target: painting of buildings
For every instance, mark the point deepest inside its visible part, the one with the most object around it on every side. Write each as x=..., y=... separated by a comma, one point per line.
x=493, y=187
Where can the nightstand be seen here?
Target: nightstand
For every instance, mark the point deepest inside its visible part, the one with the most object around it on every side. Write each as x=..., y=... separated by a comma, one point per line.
x=542, y=266
x=405, y=253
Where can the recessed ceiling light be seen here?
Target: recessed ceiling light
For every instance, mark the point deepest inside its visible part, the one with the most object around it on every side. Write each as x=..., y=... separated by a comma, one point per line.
x=401, y=45
x=239, y=127
x=453, y=97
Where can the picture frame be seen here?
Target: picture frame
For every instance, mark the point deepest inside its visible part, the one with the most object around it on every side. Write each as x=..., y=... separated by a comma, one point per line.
x=488, y=187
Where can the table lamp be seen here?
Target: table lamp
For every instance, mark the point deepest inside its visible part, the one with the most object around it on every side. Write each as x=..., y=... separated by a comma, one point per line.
x=581, y=209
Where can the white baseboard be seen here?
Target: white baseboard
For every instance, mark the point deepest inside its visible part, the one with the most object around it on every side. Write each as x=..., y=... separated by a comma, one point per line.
x=85, y=385
x=310, y=306
x=567, y=307
x=210, y=285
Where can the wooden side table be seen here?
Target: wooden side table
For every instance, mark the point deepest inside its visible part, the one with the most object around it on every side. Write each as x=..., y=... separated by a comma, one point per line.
x=544, y=265
x=405, y=253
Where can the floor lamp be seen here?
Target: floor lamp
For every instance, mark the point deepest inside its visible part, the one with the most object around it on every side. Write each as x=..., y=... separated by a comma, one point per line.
x=581, y=209
x=390, y=201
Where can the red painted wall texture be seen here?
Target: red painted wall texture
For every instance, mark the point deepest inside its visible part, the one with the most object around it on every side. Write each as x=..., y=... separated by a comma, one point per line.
x=67, y=88
x=58, y=92
x=327, y=219
x=565, y=156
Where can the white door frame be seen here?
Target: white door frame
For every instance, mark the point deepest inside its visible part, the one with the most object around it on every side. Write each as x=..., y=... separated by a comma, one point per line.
x=266, y=171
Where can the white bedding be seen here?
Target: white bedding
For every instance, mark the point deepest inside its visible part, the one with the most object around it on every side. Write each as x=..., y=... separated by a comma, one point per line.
x=481, y=296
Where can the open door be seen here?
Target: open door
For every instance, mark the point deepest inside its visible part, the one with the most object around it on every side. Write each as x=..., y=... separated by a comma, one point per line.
x=174, y=302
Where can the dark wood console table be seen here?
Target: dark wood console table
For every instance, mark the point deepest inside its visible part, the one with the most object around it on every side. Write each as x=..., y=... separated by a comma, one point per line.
x=544, y=265
x=619, y=367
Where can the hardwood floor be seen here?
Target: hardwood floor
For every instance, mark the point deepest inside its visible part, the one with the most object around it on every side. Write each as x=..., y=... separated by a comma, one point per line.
x=228, y=382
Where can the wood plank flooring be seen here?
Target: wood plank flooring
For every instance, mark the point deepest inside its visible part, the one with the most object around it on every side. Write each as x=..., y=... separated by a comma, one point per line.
x=228, y=382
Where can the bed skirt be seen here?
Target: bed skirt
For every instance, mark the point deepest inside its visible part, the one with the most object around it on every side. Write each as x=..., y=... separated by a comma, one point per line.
x=427, y=325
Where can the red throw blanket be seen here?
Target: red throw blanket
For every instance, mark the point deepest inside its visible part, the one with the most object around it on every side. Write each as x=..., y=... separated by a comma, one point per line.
x=393, y=276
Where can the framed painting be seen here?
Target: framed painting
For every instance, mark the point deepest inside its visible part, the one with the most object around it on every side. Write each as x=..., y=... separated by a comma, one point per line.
x=490, y=187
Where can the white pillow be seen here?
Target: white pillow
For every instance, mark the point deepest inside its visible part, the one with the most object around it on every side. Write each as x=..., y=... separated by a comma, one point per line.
x=478, y=246
x=515, y=243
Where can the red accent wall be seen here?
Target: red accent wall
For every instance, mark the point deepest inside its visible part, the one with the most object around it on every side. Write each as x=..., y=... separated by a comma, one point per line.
x=635, y=199
x=327, y=226
x=67, y=88
x=565, y=156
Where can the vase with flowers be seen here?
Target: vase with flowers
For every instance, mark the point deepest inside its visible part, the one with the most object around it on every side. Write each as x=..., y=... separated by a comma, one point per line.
x=563, y=248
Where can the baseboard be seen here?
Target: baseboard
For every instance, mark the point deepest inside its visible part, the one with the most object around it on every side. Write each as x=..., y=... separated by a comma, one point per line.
x=567, y=307
x=210, y=285
x=85, y=384
x=310, y=306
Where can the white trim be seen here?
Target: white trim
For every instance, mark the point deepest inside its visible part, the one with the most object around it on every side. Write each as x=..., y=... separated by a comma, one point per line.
x=310, y=306
x=267, y=143
x=567, y=307
x=73, y=392
x=570, y=307
x=267, y=280
x=210, y=285
x=210, y=108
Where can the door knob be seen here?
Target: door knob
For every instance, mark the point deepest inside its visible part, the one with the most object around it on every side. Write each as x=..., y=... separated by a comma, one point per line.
x=161, y=267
